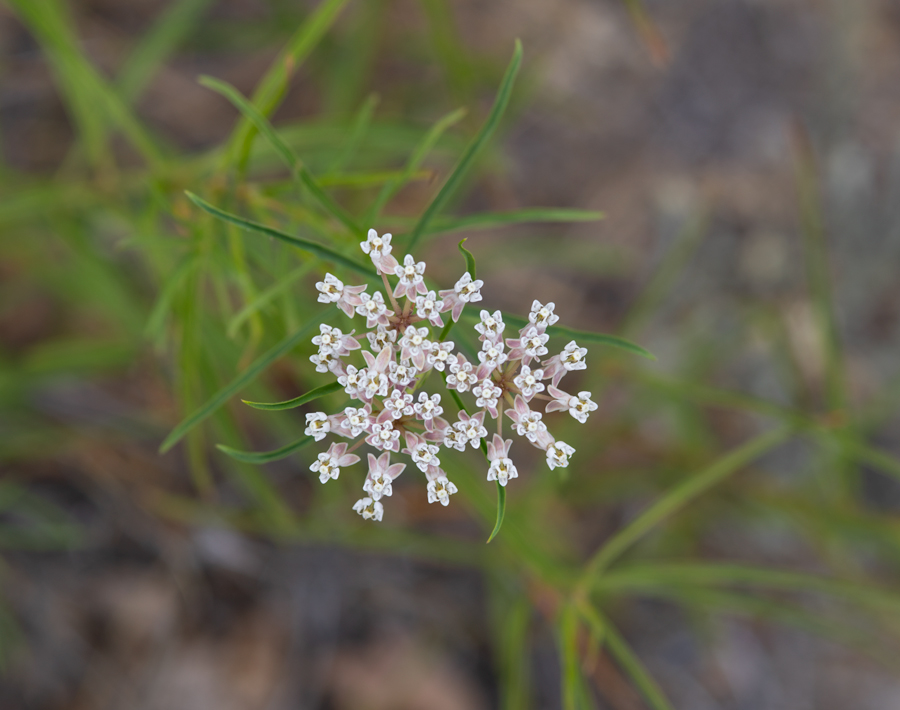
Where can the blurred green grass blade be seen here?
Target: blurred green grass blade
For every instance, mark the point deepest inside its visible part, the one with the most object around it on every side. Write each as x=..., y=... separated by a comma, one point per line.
x=818, y=272
x=501, y=511
x=626, y=658
x=678, y=497
x=259, y=457
x=569, y=658
x=156, y=322
x=90, y=98
x=297, y=401
x=583, y=336
x=638, y=576
x=532, y=215
x=470, y=260
x=266, y=297
x=664, y=278
x=468, y=157
x=320, y=250
x=174, y=24
x=256, y=368
x=287, y=155
x=272, y=87
x=360, y=126
x=512, y=649
x=34, y=523
x=421, y=151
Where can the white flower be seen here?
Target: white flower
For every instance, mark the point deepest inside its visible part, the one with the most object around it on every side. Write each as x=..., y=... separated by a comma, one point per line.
x=353, y=380
x=469, y=291
x=471, y=428
x=542, y=316
x=558, y=454
x=380, y=338
x=317, y=425
x=414, y=345
x=454, y=439
x=376, y=384
x=487, y=394
x=328, y=464
x=384, y=436
x=358, y=420
x=325, y=362
x=411, y=277
x=401, y=374
x=491, y=356
x=373, y=308
x=491, y=326
x=399, y=404
x=328, y=340
x=440, y=489
x=381, y=474
x=528, y=382
x=502, y=470
x=572, y=357
x=427, y=408
x=376, y=246
x=461, y=376
x=369, y=509
x=330, y=290
x=533, y=342
x=579, y=407
x=528, y=423
x=424, y=455
x=428, y=307
x=439, y=355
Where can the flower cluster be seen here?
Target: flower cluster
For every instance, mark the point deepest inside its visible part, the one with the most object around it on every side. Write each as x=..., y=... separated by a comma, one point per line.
x=392, y=415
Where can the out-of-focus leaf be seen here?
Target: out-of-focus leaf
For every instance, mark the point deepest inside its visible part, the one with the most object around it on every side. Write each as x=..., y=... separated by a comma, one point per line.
x=265, y=456
x=297, y=401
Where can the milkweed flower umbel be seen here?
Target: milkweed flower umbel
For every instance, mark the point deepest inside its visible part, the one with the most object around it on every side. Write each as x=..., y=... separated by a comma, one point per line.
x=386, y=381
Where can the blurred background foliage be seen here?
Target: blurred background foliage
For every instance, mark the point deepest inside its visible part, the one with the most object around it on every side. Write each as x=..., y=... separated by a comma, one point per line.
x=727, y=536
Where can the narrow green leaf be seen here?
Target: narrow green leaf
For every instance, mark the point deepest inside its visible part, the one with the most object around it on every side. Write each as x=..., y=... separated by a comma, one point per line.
x=271, y=89
x=283, y=150
x=678, y=497
x=167, y=32
x=360, y=127
x=319, y=250
x=501, y=510
x=579, y=335
x=503, y=219
x=568, y=647
x=630, y=663
x=297, y=401
x=470, y=260
x=472, y=150
x=419, y=154
x=265, y=456
x=256, y=368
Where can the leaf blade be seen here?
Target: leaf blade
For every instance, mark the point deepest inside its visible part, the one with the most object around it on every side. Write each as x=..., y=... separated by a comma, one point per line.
x=472, y=150
x=307, y=245
x=258, y=457
x=255, y=369
x=296, y=401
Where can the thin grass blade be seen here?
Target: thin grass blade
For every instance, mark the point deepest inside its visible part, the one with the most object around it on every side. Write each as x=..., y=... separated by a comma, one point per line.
x=259, y=457
x=246, y=377
x=468, y=156
x=296, y=401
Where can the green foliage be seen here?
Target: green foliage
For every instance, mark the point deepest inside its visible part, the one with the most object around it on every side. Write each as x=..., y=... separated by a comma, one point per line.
x=223, y=296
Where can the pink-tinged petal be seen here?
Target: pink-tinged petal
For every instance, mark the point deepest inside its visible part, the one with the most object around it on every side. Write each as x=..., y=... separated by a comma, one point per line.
x=479, y=417
x=384, y=415
x=347, y=307
x=384, y=357
x=436, y=436
x=513, y=414
x=457, y=310
x=435, y=319
x=384, y=461
x=558, y=375
x=446, y=295
x=373, y=463
x=556, y=406
x=440, y=423
x=337, y=450
x=544, y=440
x=412, y=440
x=354, y=290
x=557, y=393
x=513, y=343
x=521, y=405
x=419, y=360
x=492, y=451
x=482, y=372
x=429, y=424
x=348, y=460
x=421, y=288
x=369, y=358
x=395, y=470
x=348, y=342
x=492, y=410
